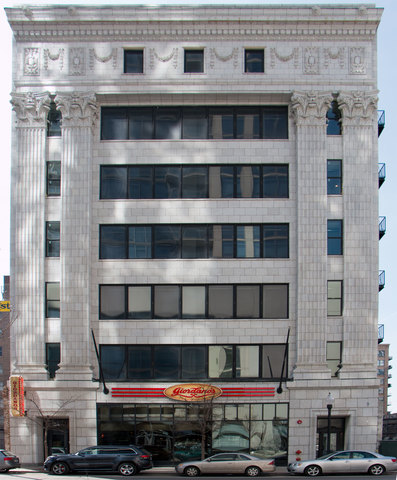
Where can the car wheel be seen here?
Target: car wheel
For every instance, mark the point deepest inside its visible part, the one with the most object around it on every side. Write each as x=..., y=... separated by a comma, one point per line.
x=59, y=468
x=191, y=471
x=127, y=468
x=376, y=469
x=252, y=471
x=312, y=471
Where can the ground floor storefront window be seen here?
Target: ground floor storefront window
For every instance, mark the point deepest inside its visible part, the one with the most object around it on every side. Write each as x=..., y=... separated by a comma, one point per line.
x=178, y=432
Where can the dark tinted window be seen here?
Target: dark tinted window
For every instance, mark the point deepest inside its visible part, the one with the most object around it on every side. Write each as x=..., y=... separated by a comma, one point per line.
x=53, y=302
x=166, y=362
x=194, y=61
x=248, y=122
x=140, y=124
x=139, y=242
x=334, y=177
x=140, y=182
x=53, y=233
x=275, y=122
x=275, y=241
x=194, y=362
x=334, y=125
x=254, y=61
x=54, y=121
x=114, y=124
x=221, y=123
x=195, y=241
x=167, y=182
x=275, y=181
x=53, y=357
x=195, y=123
x=113, y=241
x=167, y=241
x=194, y=182
x=113, y=360
x=335, y=237
x=114, y=182
x=167, y=123
x=133, y=61
x=53, y=179
x=139, y=362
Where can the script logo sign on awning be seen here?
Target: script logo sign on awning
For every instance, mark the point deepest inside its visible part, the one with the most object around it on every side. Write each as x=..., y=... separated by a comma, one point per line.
x=193, y=392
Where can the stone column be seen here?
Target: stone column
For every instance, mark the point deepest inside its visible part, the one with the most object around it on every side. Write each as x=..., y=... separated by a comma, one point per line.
x=78, y=118
x=361, y=233
x=27, y=330
x=309, y=110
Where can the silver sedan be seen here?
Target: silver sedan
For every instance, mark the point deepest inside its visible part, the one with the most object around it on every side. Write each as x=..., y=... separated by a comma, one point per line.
x=347, y=461
x=226, y=463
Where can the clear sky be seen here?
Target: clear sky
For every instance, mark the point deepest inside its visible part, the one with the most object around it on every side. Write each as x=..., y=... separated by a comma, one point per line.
x=387, y=78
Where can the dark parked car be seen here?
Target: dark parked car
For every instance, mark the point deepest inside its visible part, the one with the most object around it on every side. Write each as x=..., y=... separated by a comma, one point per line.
x=124, y=459
x=8, y=460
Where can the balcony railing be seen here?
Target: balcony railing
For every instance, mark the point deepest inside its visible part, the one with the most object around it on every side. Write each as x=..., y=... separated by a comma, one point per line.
x=382, y=226
x=381, y=121
x=381, y=174
x=381, y=333
x=381, y=280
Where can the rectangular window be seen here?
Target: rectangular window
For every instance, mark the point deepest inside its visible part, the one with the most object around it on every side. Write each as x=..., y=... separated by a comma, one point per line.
x=53, y=179
x=166, y=301
x=52, y=235
x=133, y=61
x=139, y=242
x=334, y=177
x=335, y=237
x=194, y=241
x=199, y=122
x=335, y=298
x=193, y=301
x=275, y=181
x=334, y=357
x=189, y=362
x=53, y=301
x=112, y=301
x=220, y=301
x=254, y=61
x=275, y=240
x=194, y=61
x=140, y=302
x=248, y=301
x=275, y=301
x=53, y=358
x=183, y=181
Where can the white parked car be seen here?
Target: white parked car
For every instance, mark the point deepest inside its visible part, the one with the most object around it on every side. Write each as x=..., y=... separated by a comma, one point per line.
x=346, y=461
x=227, y=463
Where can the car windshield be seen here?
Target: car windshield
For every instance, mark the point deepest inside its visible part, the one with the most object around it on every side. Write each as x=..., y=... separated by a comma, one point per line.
x=324, y=457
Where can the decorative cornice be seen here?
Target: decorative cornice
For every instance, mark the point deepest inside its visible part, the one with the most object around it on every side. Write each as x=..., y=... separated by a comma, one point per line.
x=78, y=109
x=358, y=108
x=31, y=108
x=310, y=108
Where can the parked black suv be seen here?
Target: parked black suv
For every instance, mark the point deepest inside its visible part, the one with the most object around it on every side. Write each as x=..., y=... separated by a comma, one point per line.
x=125, y=459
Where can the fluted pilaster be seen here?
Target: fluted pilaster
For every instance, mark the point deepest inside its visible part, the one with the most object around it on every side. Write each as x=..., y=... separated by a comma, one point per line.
x=27, y=236
x=361, y=234
x=309, y=112
x=78, y=117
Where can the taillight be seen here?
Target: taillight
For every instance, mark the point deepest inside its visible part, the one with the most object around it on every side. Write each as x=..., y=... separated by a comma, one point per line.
x=145, y=456
x=8, y=458
x=271, y=463
x=394, y=460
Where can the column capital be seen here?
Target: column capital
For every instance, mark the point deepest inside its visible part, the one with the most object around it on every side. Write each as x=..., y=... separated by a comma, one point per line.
x=31, y=108
x=358, y=108
x=79, y=109
x=310, y=108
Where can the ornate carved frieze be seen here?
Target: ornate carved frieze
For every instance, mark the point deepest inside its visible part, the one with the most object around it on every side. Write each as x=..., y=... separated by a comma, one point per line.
x=311, y=60
x=31, y=62
x=153, y=55
x=275, y=55
x=357, y=61
x=54, y=57
x=77, y=61
x=79, y=109
x=334, y=54
x=358, y=108
x=214, y=54
x=31, y=108
x=102, y=59
x=310, y=108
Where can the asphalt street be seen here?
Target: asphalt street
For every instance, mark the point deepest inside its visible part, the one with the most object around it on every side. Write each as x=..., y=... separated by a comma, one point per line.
x=166, y=472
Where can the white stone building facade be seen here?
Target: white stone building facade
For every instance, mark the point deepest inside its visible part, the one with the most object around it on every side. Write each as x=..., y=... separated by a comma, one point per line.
x=193, y=208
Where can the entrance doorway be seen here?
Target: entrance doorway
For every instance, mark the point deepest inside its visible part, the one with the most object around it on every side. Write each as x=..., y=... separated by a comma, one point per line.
x=337, y=435
x=58, y=436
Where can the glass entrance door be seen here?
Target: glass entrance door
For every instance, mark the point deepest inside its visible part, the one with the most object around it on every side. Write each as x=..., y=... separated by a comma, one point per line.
x=337, y=435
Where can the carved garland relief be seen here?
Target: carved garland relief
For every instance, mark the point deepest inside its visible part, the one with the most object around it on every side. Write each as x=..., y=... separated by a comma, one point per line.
x=312, y=60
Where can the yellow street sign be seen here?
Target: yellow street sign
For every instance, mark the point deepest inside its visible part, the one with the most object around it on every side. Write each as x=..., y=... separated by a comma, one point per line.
x=4, y=306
